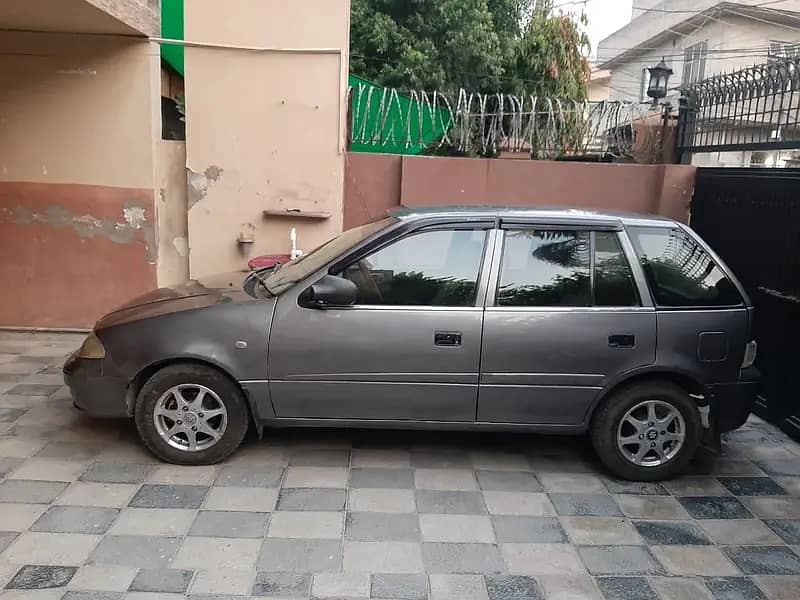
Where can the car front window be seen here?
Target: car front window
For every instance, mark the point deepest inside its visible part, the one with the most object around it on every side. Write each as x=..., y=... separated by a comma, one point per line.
x=300, y=268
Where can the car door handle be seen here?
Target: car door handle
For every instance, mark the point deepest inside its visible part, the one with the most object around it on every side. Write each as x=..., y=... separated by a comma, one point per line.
x=621, y=340
x=447, y=338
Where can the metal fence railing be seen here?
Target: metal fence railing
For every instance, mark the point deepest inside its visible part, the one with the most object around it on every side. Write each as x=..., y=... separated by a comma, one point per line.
x=757, y=108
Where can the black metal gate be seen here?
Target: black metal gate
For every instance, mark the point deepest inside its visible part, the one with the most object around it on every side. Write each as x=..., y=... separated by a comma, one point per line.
x=751, y=217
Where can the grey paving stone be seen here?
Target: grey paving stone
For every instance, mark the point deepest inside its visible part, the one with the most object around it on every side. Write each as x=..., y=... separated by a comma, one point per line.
x=781, y=467
x=521, y=529
x=714, y=507
x=682, y=533
x=141, y=551
x=752, y=486
x=651, y=507
x=711, y=465
x=37, y=577
x=92, y=595
x=224, y=523
x=250, y=476
x=734, y=588
x=586, y=505
x=300, y=555
x=787, y=529
x=161, y=580
x=76, y=519
x=450, y=502
x=77, y=451
x=458, y=587
x=311, y=499
x=6, y=537
x=764, y=560
x=509, y=481
x=381, y=478
x=696, y=486
x=115, y=473
x=513, y=587
x=285, y=585
x=626, y=588
x=320, y=458
x=9, y=415
x=440, y=460
x=638, y=488
x=7, y=465
x=33, y=389
x=30, y=491
x=461, y=558
x=619, y=560
x=382, y=527
x=169, y=496
x=399, y=586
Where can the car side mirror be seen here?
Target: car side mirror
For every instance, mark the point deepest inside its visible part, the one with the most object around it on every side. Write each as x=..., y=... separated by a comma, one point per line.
x=329, y=291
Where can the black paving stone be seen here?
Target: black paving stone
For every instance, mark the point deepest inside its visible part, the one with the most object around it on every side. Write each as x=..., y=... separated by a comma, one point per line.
x=764, y=560
x=679, y=533
x=714, y=507
x=734, y=588
x=513, y=587
x=281, y=584
x=626, y=588
x=787, y=529
x=37, y=577
x=752, y=486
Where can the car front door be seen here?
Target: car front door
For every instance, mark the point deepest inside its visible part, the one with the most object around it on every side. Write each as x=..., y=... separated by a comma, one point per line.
x=564, y=314
x=409, y=349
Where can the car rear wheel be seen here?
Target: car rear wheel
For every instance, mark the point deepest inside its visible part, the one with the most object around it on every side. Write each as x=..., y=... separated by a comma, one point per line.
x=647, y=431
x=191, y=415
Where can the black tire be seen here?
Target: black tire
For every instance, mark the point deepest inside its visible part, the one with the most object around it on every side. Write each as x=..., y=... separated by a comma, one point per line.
x=228, y=392
x=607, y=418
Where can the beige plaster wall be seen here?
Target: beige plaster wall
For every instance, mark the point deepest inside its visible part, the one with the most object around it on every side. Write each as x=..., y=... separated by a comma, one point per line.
x=264, y=130
x=170, y=201
x=78, y=109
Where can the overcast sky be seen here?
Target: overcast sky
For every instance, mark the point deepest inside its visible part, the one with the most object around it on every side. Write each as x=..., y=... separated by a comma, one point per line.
x=605, y=16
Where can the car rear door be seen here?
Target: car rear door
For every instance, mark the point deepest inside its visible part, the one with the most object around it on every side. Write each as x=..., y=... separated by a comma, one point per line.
x=409, y=349
x=565, y=313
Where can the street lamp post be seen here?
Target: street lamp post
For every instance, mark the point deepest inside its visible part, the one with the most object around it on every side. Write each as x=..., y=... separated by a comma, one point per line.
x=657, y=90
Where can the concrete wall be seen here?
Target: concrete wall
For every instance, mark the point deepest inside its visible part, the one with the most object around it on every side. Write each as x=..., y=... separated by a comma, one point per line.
x=264, y=130
x=375, y=183
x=78, y=115
x=171, y=206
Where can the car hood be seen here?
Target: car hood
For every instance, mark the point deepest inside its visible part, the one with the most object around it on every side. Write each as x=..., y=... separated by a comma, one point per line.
x=192, y=295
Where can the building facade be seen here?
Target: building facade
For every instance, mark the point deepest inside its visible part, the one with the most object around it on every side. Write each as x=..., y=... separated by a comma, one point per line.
x=700, y=39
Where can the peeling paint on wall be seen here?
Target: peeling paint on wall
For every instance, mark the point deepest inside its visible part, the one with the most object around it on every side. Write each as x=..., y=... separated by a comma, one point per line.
x=181, y=246
x=87, y=226
x=198, y=183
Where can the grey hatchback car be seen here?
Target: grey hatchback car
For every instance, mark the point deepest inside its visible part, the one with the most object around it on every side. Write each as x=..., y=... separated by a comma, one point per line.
x=549, y=321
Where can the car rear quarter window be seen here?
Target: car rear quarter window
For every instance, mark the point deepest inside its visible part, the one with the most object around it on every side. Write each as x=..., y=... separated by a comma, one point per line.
x=679, y=271
x=545, y=268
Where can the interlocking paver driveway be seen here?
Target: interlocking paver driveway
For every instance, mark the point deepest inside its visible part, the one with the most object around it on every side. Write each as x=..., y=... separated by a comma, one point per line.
x=86, y=513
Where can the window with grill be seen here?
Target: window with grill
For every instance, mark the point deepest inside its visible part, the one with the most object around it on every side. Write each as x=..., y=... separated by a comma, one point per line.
x=694, y=63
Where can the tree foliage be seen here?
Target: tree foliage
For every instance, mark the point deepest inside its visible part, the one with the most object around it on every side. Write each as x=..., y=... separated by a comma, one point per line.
x=479, y=45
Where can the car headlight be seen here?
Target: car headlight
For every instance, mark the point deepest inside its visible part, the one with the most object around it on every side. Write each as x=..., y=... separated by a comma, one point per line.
x=91, y=347
x=750, y=351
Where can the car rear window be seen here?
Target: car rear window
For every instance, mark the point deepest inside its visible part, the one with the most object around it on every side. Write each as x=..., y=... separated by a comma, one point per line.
x=679, y=271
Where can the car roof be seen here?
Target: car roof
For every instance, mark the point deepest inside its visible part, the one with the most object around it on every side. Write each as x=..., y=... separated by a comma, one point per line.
x=531, y=213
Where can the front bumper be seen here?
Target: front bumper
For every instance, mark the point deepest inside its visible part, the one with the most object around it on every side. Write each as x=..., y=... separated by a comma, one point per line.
x=94, y=389
x=731, y=403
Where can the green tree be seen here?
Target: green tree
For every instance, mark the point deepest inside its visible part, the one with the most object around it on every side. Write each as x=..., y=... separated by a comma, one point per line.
x=479, y=45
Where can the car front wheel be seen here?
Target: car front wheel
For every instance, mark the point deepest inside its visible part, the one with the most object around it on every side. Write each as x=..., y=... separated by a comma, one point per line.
x=190, y=414
x=647, y=431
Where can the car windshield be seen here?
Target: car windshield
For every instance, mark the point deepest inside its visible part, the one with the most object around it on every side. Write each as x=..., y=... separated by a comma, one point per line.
x=295, y=270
